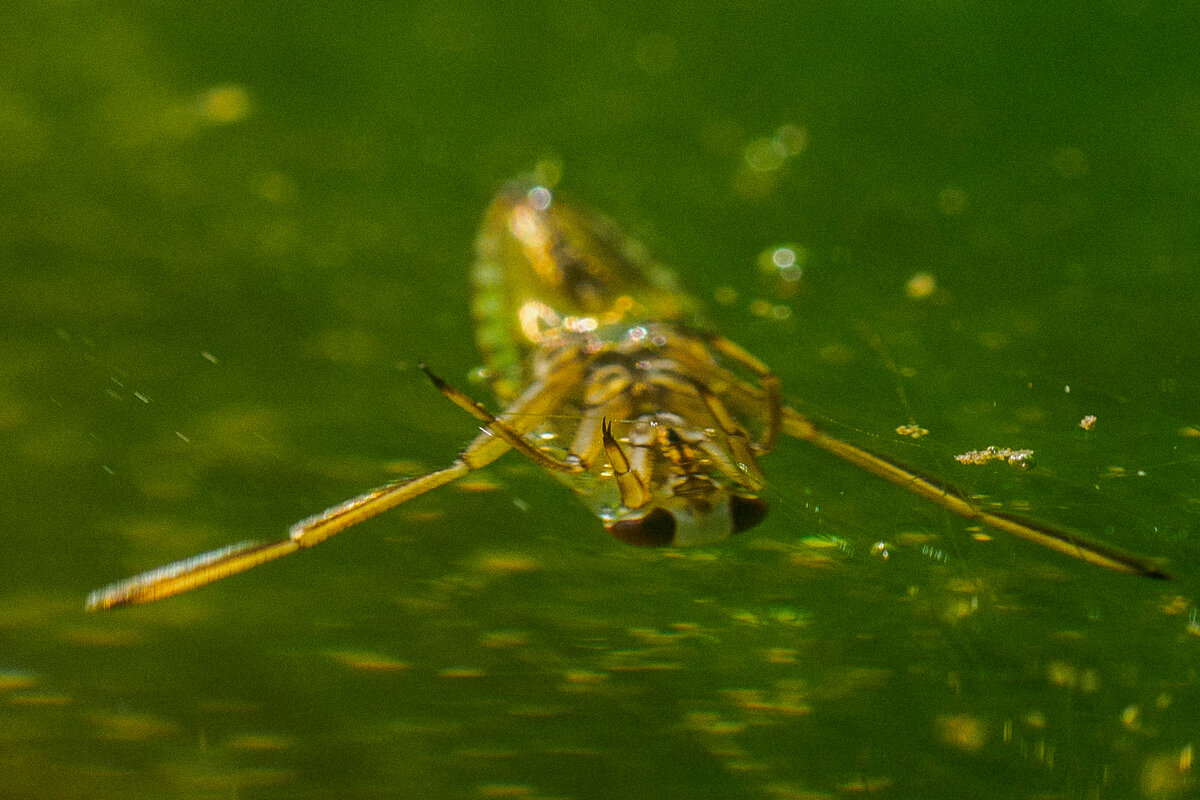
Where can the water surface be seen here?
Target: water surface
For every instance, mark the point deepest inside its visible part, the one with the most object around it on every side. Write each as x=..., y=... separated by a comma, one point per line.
x=231, y=231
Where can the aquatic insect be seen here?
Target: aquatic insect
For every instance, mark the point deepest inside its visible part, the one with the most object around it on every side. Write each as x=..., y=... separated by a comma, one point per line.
x=610, y=379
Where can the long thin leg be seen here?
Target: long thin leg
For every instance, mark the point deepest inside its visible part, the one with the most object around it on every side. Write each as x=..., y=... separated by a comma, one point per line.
x=191, y=573
x=197, y=571
x=1063, y=541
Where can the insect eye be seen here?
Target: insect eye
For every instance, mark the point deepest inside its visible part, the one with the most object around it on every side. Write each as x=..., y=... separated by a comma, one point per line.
x=656, y=529
x=746, y=512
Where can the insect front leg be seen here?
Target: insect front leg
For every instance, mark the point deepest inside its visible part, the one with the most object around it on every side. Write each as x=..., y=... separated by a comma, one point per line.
x=197, y=571
x=512, y=434
x=192, y=573
x=539, y=399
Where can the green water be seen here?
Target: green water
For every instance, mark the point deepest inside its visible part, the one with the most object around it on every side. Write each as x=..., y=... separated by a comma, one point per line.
x=230, y=231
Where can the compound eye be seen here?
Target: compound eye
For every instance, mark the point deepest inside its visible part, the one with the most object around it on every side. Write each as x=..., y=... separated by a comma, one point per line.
x=746, y=512
x=656, y=529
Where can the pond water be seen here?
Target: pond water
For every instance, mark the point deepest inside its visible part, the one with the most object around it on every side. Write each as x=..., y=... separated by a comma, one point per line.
x=232, y=230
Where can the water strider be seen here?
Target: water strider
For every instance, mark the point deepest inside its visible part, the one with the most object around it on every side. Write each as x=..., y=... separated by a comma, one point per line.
x=609, y=378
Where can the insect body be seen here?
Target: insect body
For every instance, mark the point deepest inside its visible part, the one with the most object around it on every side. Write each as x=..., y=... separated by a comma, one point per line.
x=611, y=379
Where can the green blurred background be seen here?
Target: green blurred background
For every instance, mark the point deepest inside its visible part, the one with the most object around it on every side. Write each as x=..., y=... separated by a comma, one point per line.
x=230, y=231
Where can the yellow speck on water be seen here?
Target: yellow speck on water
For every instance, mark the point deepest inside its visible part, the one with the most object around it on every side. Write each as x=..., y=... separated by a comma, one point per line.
x=462, y=671
x=920, y=286
x=819, y=542
x=653, y=636
x=500, y=640
x=1190, y=431
x=1014, y=458
x=1131, y=717
x=764, y=155
x=745, y=617
x=40, y=699
x=748, y=699
x=788, y=615
x=782, y=655
x=961, y=731
x=405, y=466
x=367, y=662
x=261, y=742
x=952, y=201
x=1174, y=606
x=584, y=676
x=787, y=701
x=1167, y=775
x=1060, y=673
x=811, y=560
x=222, y=105
x=915, y=538
x=760, y=308
x=712, y=722
x=1035, y=719
x=16, y=679
x=478, y=485
x=782, y=790
x=691, y=555
x=725, y=295
x=133, y=727
x=912, y=431
x=506, y=563
x=867, y=784
x=1088, y=422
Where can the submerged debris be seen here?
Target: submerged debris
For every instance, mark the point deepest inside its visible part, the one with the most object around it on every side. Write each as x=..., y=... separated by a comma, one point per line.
x=912, y=430
x=1015, y=458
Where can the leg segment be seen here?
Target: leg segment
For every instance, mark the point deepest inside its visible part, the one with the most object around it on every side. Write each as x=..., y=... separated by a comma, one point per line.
x=772, y=393
x=197, y=571
x=1067, y=542
x=511, y=435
